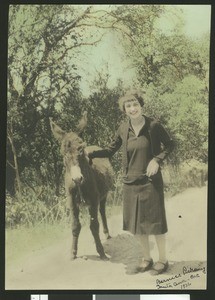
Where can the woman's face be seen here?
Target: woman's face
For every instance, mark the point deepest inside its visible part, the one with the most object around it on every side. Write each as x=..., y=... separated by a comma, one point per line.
x=133, y=109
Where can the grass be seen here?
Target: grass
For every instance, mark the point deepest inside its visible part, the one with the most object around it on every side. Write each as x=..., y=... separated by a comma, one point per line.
x=22, y=241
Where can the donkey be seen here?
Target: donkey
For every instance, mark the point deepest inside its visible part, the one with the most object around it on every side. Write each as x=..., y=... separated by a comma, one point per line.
x=85, y=183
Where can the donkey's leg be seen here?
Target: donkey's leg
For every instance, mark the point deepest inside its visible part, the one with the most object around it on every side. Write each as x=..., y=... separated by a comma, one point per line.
x=76, y=225
x=76, y=228
x=103, y=217
x=94, y=227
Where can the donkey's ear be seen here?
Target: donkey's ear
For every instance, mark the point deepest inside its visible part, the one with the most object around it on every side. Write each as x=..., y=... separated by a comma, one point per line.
x=82, y=123
x=57, y=131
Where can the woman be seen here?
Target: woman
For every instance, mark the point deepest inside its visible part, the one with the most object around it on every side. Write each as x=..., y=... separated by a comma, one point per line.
x=145, y=143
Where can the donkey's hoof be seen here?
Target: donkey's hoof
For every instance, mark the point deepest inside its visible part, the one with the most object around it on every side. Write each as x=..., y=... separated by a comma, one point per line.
x=104, y=257
x=73, y=257
x=107, y=235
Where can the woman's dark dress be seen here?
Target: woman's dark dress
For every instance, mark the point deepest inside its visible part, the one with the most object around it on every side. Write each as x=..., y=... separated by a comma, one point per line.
x=143, y=205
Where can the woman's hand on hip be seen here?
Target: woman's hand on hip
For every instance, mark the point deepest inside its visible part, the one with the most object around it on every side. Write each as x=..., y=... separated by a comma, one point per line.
x=152, y=168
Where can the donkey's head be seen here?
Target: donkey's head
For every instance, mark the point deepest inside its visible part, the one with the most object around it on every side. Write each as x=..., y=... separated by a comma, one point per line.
x=72, y=148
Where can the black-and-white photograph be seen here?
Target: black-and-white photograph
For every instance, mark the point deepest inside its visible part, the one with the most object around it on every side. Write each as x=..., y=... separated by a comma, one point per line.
x=107, y=147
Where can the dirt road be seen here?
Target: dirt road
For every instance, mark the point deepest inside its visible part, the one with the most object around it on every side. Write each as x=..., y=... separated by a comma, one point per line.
x=51, y=269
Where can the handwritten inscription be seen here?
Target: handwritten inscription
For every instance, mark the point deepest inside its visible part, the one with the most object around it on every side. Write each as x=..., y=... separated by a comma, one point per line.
x=191, y=270
x=183, y=280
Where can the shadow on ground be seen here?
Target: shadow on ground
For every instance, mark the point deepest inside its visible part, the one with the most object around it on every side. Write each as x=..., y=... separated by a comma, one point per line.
x=126, y=249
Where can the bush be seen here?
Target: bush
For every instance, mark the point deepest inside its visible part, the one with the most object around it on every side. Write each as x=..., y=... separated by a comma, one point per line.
x=35, y=207
x=40, y=206
x=193, y=173
x=190, y=173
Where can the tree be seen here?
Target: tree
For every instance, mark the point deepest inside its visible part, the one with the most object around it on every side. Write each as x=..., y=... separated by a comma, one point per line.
x=188, y=118
x=173, y=69
x=44, y=48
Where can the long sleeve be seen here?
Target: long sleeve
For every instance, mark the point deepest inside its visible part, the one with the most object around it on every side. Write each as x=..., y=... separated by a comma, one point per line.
x=109, y=150
x=167, y=143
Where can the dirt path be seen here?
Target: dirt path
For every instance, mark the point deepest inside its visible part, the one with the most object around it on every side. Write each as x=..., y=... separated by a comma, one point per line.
x=51, y=269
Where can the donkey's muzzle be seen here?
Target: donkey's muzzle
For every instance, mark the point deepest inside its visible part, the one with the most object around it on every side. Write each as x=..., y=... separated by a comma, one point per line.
x=78, y=180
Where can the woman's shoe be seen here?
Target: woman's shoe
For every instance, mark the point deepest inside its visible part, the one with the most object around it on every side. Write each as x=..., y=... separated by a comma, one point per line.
x=160, y=267
x=145, y=265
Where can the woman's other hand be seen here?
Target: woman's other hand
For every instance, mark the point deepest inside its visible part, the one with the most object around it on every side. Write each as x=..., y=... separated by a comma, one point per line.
x=152, y=168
